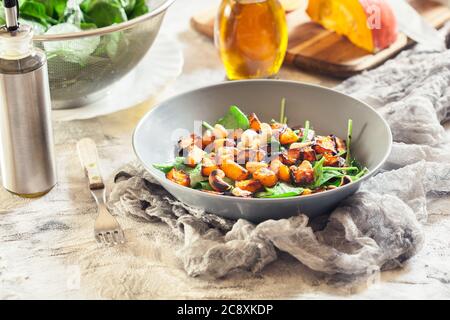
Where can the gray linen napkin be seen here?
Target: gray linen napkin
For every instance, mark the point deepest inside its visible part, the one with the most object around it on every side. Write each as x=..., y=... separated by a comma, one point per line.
x=376, y=229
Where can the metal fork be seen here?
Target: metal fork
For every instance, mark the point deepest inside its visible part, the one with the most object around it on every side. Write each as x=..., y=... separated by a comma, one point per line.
x=107, y=230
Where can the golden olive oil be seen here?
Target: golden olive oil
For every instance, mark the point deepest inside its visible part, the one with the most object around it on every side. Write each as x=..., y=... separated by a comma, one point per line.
x=252, y=38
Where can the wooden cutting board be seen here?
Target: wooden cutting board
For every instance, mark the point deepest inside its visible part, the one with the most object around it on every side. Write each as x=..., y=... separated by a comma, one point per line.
x=313, y=48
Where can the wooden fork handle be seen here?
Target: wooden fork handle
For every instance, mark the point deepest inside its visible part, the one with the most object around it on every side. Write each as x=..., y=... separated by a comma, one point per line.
x=87, y=151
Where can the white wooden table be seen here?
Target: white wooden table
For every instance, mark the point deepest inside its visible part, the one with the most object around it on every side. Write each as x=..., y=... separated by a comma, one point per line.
x=47, y=249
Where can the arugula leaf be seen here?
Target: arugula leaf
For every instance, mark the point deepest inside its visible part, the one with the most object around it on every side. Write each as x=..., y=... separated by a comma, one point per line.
x=235, y=119
x=281, y=190
x=306, y=132
x=349, y=140
x=318, y=172
x=327, y=176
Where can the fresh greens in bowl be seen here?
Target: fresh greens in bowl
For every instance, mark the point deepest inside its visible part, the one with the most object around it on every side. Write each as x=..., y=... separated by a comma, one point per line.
x=85, y=14
x=90, y=44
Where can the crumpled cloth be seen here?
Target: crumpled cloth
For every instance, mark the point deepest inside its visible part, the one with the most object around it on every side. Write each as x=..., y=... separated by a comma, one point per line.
x=378, y=228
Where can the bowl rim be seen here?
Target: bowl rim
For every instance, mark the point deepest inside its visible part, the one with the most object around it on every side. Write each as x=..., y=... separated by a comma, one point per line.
x=155, y=173
x=105, y=30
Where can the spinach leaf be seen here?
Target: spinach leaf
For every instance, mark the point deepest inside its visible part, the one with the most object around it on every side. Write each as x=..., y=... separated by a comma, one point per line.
x=104, y=12
x=76, y=51
x=281, y=190
x=128, y=5
x=196, y=176
x=54, y=8
x=204, y=185
x=110, y=45
x=140, y=8
x=36, y=11
x=2, y=14
x=87, y=25
x=178, y=163
x=235, y=119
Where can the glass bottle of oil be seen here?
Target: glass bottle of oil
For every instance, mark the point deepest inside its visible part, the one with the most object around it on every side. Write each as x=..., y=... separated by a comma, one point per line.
x=252, y=37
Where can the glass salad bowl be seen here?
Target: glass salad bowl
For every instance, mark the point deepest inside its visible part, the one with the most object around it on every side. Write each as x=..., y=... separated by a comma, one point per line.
x=83, y=64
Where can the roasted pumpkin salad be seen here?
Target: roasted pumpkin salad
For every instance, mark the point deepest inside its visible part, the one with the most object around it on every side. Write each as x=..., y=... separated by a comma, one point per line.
x=243, y=157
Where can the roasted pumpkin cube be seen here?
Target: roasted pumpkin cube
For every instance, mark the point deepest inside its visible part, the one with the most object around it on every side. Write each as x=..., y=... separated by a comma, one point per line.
x=267, y=177
x=234, y=171
x=324, y=144
x=220, y=143
x=278, y=129
x=207, y=139
x=250, y=155
x=252, y=166
x=281, y=170
x=194, y=156
x=288, y=136
x=302, y=153
x=333, y=160
x=302, y=175
x=286, y=159
x=226, y=153
x=341, y=145
x=255, y=124
x=208, y=165
x=251, y=185
x=179, y=177
x=278, y=126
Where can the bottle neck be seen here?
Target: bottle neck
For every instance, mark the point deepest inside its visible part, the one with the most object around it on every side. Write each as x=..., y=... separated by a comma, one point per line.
x=18, y=44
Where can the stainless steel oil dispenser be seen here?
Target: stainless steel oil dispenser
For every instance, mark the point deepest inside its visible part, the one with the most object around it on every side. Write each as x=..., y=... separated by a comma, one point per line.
x=26, y=138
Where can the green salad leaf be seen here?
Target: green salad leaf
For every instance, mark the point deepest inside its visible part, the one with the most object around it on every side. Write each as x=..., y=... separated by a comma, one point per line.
x=128, y=5
x=76, y=51
x=195, y=175
x=166, y=167
x=46, y=16
x=104, y=13
x=37, y=11
x=140, y=8
x=204, y=185
x=281, y=190
x=235, y=119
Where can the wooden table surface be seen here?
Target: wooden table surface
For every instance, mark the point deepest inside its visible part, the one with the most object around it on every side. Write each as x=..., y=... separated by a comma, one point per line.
x=39, y=238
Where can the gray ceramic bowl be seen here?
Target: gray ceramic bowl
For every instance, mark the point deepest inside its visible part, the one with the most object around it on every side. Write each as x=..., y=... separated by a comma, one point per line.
x=327, y=110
